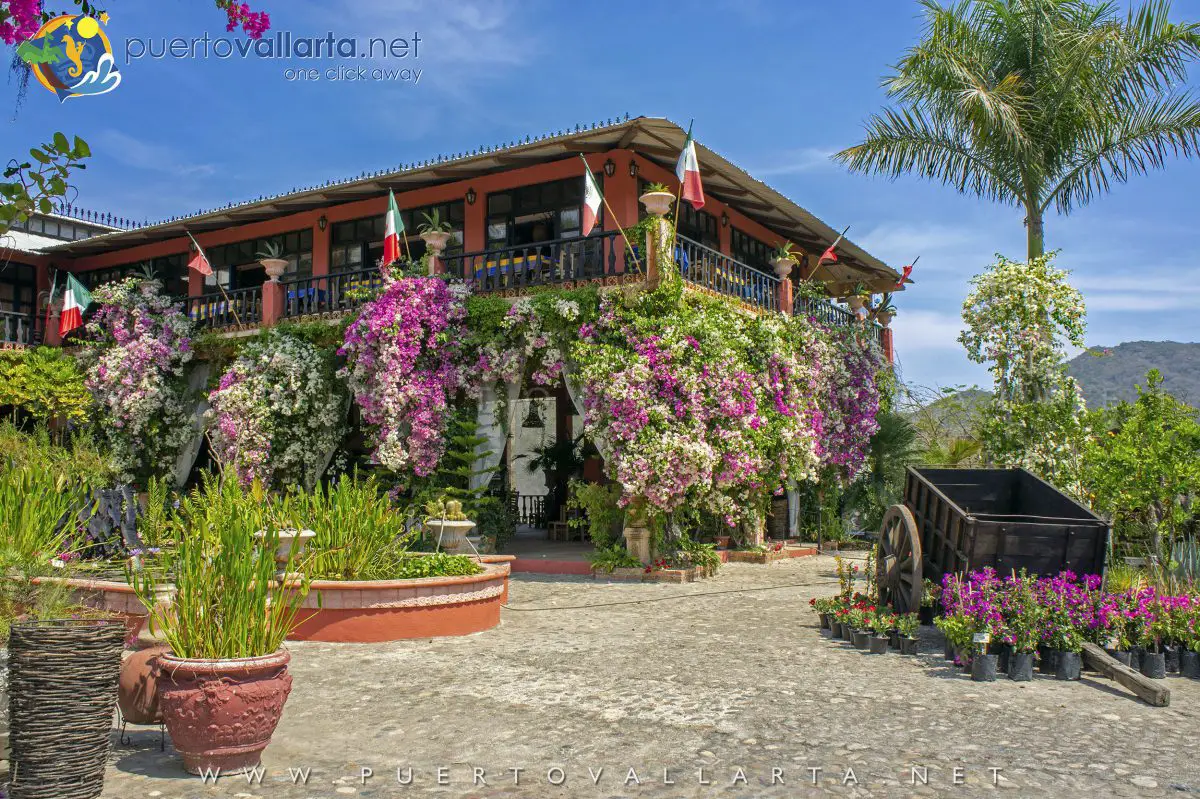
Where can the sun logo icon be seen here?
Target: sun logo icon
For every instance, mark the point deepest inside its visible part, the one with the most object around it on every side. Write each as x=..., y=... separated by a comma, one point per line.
x=72, y=57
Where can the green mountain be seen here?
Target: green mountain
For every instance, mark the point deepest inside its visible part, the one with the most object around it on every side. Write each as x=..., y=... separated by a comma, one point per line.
x=1110, y=374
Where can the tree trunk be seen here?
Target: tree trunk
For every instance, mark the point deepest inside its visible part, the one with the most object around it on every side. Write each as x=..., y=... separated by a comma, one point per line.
x=1036, y=233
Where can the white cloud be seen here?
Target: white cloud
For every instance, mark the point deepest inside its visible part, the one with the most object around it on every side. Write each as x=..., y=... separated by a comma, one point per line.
x=794, y=162
x=141, y=154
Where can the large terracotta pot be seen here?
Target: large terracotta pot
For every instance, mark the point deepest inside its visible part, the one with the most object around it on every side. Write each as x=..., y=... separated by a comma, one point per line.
x=222, y=713
x=137, y=690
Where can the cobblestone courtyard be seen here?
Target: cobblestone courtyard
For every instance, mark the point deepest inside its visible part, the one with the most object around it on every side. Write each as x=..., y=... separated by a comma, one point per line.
x=706, y=688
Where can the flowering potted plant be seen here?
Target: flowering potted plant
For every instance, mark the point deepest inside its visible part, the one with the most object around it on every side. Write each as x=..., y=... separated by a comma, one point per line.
x=824, y=608
x=657, y=199
x=882, y=624
x=225, y=680
x=270, y=260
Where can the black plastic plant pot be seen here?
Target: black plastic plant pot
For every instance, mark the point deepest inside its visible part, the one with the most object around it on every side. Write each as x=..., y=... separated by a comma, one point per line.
x=1135, y=658
x=1069, y=666
x=949, y=655
x=835, y=629
x=925, y=616
x=1189, y=664
x=62, y=677
x=1122, y=656
x=1047, y=660
x=1002, y=653
x=894, y=639
x=1020, y=666
x=1154, y=665
x=824, y=617
x=879, y=644
x=862, y=639
x=983, y=667
x=1171, y=654
x=908, y=646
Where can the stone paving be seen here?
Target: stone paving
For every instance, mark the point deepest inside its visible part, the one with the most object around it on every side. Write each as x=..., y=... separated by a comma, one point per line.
x=700, y=696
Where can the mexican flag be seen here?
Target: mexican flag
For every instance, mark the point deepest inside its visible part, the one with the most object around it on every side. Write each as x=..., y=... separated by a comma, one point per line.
x=393, y=227
x=75, y=302
x=591, y=199
x=687, y=169
x=199, y=261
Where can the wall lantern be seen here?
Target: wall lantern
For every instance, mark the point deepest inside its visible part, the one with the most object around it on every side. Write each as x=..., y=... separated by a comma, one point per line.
x=610, y=168
x=724, y=219
x=633, y=168
x=322, y=223
x=471, y=196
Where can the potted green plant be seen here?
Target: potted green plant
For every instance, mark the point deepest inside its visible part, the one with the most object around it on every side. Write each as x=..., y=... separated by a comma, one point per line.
x=657, y=199
x=434, y=231
x=906, y=628
x=885, y=311
x=858, y=297
x=224, y=681
x=783, y=259
x=446, y=524
x=268, y=256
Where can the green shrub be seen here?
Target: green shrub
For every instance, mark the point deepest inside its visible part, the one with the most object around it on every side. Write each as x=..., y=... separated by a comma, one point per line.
x=607, y=559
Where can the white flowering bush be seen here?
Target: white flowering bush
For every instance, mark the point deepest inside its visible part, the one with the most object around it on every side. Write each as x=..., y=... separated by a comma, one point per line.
x=136, y=348
x=277, y=412
x=1020, y=317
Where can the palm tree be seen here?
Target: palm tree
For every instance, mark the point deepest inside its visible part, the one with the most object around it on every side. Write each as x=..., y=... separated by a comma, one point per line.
x=1036, y=103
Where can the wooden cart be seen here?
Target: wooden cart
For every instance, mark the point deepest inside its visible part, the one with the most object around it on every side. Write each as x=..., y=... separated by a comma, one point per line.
x=960, y=520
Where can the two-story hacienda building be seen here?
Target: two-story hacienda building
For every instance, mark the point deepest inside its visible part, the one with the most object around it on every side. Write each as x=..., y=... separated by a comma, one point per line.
x=514, y=212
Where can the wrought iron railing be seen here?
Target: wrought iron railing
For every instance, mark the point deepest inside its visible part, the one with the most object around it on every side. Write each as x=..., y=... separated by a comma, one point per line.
x=717, y=272
x=234, y=307
x=542, y=264
x=326, y=294
x=824, y=312
x=17, y=328
x=527, y=509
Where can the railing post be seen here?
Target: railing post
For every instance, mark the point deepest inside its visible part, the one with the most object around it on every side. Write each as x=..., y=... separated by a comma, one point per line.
x=272, y=302
x=51, y=337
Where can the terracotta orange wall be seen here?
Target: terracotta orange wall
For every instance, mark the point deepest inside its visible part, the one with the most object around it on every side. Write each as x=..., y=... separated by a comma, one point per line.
x=620, y=192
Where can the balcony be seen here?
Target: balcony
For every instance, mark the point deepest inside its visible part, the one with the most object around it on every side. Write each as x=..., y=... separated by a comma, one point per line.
x=512, y=271
x=233, y=308
x=17, y=329
x=548, y=263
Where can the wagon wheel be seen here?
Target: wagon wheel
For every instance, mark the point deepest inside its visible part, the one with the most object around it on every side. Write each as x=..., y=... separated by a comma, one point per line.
x=899, y=567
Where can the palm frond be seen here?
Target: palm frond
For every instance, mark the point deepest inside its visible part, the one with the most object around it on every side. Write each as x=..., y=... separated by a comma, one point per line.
x=1132, y=145
x=903, y=141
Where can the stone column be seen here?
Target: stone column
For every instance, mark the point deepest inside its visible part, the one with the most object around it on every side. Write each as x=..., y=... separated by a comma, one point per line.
x=888, y=345
x=272, y=303
x=637, y=532
x=658, y=204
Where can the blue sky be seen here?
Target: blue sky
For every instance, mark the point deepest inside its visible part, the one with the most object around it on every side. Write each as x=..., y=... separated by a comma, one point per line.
x=774, y=86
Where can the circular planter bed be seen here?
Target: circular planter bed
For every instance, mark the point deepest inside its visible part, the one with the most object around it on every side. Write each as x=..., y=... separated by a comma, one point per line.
x=365, y=611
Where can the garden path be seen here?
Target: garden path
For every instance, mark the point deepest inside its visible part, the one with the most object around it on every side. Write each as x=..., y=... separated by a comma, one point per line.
x=720, y=683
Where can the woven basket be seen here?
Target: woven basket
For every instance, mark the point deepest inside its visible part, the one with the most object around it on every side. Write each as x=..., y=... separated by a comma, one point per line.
x=61, y=694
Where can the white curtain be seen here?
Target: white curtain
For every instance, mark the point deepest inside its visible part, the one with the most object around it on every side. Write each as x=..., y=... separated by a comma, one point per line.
x=793, y=497
x=575, y=392
x=495, y=420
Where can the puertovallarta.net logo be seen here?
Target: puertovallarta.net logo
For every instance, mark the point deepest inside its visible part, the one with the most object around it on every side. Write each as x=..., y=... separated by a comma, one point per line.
x=72, y=57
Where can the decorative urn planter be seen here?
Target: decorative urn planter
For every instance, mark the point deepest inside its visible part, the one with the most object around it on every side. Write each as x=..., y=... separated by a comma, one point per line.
x=291, y=542
x=150, y=286
x=221, y=714
x=658, y=203
x=855, y=303
x=782, y=267
x=275, y=267
x=435, y=241
x=884, y=318
x=451, y=533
